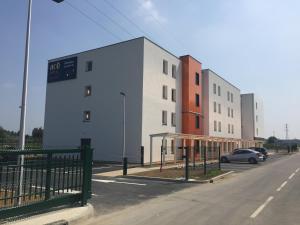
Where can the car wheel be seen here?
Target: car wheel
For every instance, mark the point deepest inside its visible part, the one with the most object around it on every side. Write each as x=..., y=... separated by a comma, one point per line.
x=252, y=160
x=224, y=160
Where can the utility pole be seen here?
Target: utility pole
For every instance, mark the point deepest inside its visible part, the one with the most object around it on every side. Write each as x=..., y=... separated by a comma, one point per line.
x=286, y=131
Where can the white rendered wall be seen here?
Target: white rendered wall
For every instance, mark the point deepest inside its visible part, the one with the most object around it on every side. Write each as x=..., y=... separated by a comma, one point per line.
x=116, y=68
x=210, y=78
x=153, y=103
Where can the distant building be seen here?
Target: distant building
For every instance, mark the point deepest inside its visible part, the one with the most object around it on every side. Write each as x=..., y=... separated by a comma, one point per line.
x=252, y=117
x=221, y=106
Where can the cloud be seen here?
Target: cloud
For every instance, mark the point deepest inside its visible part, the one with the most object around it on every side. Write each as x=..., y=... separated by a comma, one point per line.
x=150, y=12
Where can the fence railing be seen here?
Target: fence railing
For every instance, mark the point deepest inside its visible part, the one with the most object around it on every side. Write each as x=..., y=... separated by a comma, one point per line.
x=51, y=178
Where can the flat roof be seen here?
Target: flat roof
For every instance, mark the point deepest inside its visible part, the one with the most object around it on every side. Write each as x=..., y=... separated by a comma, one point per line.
x=118, y=43
x=221, y=78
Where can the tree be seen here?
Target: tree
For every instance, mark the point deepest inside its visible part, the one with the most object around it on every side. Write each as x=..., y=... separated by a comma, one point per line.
x=272, y=140
x=2, y=133
x=37, y=133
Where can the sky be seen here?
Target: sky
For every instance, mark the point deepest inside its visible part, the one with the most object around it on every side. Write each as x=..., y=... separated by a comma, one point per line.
x=253, y=44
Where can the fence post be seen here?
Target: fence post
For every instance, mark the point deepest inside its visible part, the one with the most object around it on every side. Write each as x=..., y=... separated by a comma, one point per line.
x=161, y=158
x=204, y=164
x=187, y=152
x=48, y=176
x=219, y=157
x=142, y=155
x=87, y=157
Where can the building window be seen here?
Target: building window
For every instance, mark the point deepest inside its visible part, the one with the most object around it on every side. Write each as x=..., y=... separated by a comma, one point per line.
x=256, y=105
x=197, y=121
x=232, y=113
x=228, y=128
x=165, y=67
x=173, y=118
x=215, y=125
x=228, y=95
x=231, y=97
x=215, y=107
x=219, y=91
x=257, y=132
x=256, y=118
x=215, y=88
x=86, y=116
x=219, y=108
x=197, y=79
x=164, y=117
x=228, y=112
x=173, y=95
x=232, y=129
x=173, y=71
x=197, y=100
x=219, y=126
x=88, y=91
x=89, y=66
x=165, y=92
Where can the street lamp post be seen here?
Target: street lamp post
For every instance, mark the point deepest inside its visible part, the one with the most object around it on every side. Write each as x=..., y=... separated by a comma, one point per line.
x=24, y=99
x=124, y=135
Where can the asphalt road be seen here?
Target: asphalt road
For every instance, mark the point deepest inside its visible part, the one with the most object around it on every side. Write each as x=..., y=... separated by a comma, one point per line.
x=268, y=195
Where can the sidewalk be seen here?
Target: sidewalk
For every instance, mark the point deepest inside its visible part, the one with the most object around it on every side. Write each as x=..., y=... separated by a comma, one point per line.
x=75, y=215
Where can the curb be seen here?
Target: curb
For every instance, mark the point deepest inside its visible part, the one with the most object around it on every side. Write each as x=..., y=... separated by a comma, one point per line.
x=75, y=215
x=179, y=180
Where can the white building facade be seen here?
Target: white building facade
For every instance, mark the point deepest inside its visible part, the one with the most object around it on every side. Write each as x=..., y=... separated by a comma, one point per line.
x=221, y=106
x=84, y=105
x=252, y=117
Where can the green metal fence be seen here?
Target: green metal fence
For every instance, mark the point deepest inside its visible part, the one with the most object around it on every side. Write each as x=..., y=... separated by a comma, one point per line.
x=51, y=178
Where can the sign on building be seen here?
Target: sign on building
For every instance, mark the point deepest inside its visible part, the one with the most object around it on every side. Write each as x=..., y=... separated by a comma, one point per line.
x=64, y=69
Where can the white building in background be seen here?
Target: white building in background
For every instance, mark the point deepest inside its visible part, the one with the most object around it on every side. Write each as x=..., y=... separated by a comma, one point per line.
x=221, y=106
x=252, y=117
x=84, y=105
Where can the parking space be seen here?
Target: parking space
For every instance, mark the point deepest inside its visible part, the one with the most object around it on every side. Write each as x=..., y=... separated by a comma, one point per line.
x=240, y=167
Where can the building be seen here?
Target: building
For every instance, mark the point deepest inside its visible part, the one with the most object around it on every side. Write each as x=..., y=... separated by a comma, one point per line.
x=166, y=97
x=221, y=107
x=84, y=105
x=252, y=117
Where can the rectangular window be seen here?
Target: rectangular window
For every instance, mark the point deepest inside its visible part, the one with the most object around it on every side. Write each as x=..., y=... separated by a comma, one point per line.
x=232, y=129
x=228, y=112
x=231, y=97
x=89, y=66
x=256, y=118
x=228, y=128
x=173, y=71
x=173, y=118
x=215, y=107
x=197, y=79
x=164, y=117
x=165, y=92
x=215, y=88
x=197, y=100
x=165, y=67
x=228, y=95
x=219, y=108
x=215, y=125
x=256, y=131
x=86, y=116
x=219, y=126
x=256, y=105
x=88, y=91
x=197, y=118
x=219, y=91
x=232, y=113
x=173, y=95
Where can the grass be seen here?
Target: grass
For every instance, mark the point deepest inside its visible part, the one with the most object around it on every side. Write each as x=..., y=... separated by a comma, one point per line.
x=9, y=203
x=179, y=173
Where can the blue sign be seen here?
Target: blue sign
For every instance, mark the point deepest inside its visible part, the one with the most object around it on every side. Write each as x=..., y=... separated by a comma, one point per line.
x=65, y=69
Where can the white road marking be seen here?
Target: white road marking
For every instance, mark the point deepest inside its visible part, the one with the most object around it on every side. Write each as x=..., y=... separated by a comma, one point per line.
x=260, y=208
x=94, y=195
x=281, y=186
x=118, y=182
x=297, y=170
x=102, y=167
x=293, y=174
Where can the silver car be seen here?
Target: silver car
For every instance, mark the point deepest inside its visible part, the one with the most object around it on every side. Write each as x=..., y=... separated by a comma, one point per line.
x=243, y=155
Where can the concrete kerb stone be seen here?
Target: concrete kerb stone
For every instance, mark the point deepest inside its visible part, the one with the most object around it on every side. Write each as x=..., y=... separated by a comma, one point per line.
x=75, y=215
x=181, y=180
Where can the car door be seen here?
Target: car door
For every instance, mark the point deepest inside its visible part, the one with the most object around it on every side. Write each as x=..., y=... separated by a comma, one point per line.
x=235, y=155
